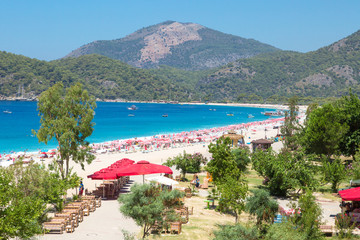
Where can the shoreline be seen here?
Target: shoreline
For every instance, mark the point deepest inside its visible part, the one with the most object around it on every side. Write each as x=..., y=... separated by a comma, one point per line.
x=156, y=142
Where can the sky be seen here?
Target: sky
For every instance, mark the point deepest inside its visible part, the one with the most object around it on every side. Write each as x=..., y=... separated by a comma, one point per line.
x=50, y=29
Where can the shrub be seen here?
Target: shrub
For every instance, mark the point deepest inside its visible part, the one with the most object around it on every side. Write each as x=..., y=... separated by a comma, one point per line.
x=238, y=231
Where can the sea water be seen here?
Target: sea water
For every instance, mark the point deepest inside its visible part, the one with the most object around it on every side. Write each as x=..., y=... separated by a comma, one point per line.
x=112, y=121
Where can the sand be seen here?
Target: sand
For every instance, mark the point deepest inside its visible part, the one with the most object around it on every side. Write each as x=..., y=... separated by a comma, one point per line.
x=107, y=221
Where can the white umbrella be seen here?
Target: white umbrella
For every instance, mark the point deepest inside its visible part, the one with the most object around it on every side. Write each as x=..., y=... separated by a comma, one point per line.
x=162, y=180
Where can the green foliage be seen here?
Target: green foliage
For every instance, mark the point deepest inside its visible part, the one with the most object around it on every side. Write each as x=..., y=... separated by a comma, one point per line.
x=228, y=178
x=284, y=171
x=324, y=130
x=237, y=231
x=284, y=231
x=222, y=162
x=233, y=191
x=309, y=220
x=333, y=172
x=278, y=75
x=66, y=117
x=242, y=157
x=146, y=204
x=350, y=107
x=262, y=207
x=187, y=163
x=25, y=192
x=344, y=226
x=291, y=125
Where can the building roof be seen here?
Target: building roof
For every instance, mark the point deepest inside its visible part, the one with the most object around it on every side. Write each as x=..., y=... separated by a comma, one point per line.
x=262, y=141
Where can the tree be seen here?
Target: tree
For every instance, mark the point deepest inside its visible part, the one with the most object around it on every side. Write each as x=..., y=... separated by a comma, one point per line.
x=291, y=124
x=227, y=177
x=187, y=162
x=222, y=161
x=233, y=191
x=66, y=117
x=146, y=204
x=284, y=171
x=350, y=106
x=241, y=157
x=309, y=220
x=262, y=207
x=333, y=172
x=25, y=192
x=324, y=130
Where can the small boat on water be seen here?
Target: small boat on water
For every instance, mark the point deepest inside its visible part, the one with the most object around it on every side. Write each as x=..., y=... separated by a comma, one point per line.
x=273, y=113
x=230, y=114
x=131, y=115
x=164, y=115
x=132, y=107
x=250, y=116
x=7, y=112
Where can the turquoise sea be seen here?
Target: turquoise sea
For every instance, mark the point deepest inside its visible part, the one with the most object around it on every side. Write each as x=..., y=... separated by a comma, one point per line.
x=113, y=121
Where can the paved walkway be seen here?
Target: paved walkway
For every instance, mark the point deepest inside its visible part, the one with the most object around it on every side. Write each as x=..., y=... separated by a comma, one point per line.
x=106, y=223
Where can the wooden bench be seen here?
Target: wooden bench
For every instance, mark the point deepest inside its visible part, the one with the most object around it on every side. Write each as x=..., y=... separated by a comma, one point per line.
x=175, y=227
x=50, y=227
x=70, y=227
x=326, y=229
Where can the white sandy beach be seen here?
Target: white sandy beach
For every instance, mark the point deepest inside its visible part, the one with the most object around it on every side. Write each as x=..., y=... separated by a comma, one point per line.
x=107, y=221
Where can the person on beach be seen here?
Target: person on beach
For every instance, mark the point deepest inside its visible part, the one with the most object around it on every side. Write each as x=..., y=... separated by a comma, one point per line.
x=197, y=182
x=81, y=188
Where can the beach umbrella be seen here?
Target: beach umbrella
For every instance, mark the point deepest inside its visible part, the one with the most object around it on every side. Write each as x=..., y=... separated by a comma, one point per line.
x=352, y=194
x=143, y=168
x=103, y=174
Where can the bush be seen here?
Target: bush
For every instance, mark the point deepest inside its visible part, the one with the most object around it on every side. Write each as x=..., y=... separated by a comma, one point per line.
x=238, y=232
x=284, y=231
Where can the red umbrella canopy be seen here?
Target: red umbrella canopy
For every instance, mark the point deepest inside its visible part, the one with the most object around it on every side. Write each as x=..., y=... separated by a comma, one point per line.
x=352, y=194
x=103, y=174
x=142, y=168
x=123, y=162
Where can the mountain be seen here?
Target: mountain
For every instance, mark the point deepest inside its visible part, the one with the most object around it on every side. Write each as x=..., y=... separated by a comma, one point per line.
x=269, y=77
x=182, y=45
x=103, y=77
x=329, y=71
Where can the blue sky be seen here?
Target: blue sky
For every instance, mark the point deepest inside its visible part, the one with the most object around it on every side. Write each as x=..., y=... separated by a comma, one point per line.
x=50, y=29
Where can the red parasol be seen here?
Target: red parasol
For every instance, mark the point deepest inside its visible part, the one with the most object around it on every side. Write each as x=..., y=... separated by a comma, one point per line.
x=142, y=168
x=352, y=194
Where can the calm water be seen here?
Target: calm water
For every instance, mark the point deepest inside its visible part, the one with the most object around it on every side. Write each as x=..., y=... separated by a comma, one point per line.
x=112, y=121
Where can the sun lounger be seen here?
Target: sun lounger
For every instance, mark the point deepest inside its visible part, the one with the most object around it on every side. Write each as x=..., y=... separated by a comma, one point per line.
x=326, y=229
x=175, y=227
x=51, y=227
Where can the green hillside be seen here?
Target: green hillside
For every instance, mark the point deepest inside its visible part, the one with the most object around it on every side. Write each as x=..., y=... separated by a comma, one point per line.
x=181, y=45
x=105, y=78
x=327, y=72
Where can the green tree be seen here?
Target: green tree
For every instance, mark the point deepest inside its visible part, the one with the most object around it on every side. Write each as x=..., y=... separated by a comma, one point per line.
x=67, y=118
x=146, y=204
x=291, y=124
x=242, y=157
x=309, y=220
x=222, y=161
x=324, y=131
x=333, y=172
x=262, y=207
x=233, y=191
x=25, y=192
x=284, y=171
x=227, y=177
x=187, y=162
x=350, y=106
